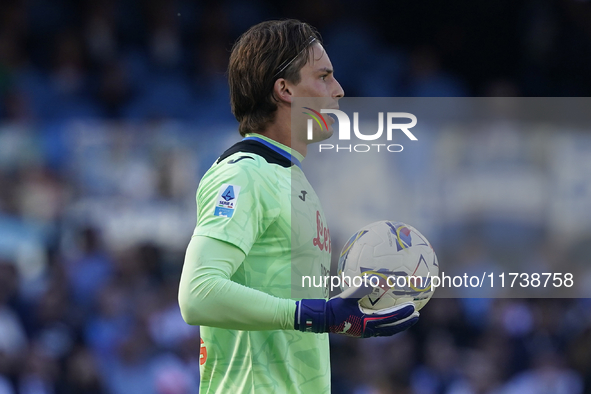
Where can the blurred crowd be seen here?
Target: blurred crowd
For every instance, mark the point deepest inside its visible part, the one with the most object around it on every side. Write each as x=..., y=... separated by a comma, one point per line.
x=475, y=346
x=110, y=111
x=98, y=323
x=157, y=59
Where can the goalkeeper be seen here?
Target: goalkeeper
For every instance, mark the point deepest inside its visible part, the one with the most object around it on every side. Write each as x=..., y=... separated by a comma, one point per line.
x=236, y=279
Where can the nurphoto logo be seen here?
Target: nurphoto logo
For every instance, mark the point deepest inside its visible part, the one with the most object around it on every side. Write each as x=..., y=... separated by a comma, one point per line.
x=345, y=130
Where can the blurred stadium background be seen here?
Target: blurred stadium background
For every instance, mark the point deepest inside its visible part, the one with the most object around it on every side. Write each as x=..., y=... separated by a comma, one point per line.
x=110, y=111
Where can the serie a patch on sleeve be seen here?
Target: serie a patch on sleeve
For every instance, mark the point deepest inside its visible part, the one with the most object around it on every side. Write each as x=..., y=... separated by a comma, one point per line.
x=226, y=200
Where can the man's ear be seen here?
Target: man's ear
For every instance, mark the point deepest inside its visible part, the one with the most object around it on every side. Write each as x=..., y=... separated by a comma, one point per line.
x=281, y=91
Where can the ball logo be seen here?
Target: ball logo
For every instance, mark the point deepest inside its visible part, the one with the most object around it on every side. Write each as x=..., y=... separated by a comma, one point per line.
x=402, y=233
x=346, y=248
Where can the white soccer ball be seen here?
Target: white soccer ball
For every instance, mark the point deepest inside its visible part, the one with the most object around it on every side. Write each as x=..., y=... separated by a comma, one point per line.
x=396, y=258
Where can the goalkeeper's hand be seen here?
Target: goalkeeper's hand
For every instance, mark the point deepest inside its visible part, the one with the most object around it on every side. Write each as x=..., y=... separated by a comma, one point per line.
x=342, y=314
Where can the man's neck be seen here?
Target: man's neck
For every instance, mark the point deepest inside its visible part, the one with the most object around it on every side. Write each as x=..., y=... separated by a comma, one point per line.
x=282, y=134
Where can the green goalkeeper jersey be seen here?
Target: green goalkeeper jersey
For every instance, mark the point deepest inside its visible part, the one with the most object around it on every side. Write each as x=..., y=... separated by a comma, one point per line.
x=256, y=198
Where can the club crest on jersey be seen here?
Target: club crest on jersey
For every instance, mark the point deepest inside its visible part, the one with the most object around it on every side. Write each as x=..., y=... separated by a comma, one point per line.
x=226, y=200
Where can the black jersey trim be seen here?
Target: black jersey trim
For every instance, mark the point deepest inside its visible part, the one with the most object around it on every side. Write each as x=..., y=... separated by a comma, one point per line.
x=250, y=146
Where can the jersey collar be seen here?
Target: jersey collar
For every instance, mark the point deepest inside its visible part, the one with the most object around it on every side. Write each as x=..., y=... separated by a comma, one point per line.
x=291, y=154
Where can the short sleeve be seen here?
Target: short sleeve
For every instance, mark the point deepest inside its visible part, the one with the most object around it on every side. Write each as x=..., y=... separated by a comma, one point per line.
x=237, y=202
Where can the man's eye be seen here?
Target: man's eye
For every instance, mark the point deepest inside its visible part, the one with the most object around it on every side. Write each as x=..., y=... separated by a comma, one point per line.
x=324, y=77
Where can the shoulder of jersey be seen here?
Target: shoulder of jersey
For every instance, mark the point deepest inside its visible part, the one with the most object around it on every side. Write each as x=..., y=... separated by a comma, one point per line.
x=241, y=159
x=246, y=153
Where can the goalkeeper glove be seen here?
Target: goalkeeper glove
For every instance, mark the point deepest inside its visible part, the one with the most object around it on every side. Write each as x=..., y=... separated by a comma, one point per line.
x=342, y=314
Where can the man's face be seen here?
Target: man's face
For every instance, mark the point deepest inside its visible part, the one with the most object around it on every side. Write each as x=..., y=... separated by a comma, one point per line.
x=316, y=81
